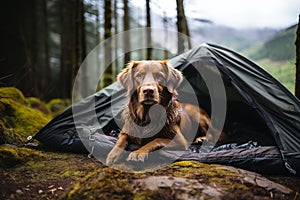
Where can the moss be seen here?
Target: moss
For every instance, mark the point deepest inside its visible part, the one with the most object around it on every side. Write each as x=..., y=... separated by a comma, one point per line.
x=68, y=173
x=11, y=155
x=44, y=174
x=8, y=136
x=203, y=181
x=17, y=119
x=109, y=183
x=12, y=93
x=160, y=193
x=84, y=178
x=185, y=164
x=56, y=166
x=38, y=104
x=56, y=106
x=105, y=183
x=105, y=80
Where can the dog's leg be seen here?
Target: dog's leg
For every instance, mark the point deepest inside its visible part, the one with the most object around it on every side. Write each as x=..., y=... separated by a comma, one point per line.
x=119, y=148
x=178, y=142
x=142, y=153
x=199, y=115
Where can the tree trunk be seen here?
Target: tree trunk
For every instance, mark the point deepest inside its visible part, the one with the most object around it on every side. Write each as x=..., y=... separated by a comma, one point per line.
x=84, y=77
x=148, y=32
x=108, y=76
x=97, y=37
x=182, y=28
x=67, y=45
x=47, y=85
x=116, y=31
x=297, y=43
x=165, y=23
x=80, y=50
x=29, y=28
x=127, y=35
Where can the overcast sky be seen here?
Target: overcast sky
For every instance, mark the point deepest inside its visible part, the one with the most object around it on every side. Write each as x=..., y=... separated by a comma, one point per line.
x=235, y=13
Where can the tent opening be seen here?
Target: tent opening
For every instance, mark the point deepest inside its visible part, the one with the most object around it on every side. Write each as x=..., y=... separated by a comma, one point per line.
x=242, y=123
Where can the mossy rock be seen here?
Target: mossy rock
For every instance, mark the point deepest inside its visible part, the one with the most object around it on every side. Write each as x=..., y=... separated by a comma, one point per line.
x=12, y=155
x=105, y=80
x=12, y=93
x=8, y=136
x=17, y=119
x=56, y=106
x=38, y=105
x=180, y=180
x=104, y=183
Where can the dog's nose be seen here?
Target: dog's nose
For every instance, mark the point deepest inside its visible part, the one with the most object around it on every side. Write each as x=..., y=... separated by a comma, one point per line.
x=148, y=90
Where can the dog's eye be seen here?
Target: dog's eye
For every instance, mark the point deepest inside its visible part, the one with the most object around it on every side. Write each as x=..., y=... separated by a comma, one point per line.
x=138, y=76
x=159, y=77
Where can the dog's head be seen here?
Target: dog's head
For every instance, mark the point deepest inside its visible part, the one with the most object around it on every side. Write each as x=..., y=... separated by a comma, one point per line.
x=149, y=80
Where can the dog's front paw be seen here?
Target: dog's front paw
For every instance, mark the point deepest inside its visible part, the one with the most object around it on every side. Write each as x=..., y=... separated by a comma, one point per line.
x=137, y=156
x=200, y=140
x=114, y=156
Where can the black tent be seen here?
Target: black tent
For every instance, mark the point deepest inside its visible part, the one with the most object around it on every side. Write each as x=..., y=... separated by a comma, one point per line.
x=259, y=109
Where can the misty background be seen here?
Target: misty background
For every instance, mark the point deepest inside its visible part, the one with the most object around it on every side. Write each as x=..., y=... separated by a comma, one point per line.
x=44, y=42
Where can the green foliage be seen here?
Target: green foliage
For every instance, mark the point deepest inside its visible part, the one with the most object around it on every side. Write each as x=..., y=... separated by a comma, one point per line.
x=277, y=56
x=12, y=93
x=284, y=72
x=38, y=104
x=106, y=80
x=56, y=106
x=280, y=48
x=17, y=119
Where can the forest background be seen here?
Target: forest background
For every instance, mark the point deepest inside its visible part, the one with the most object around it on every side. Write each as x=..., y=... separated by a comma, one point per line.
x=44, y=42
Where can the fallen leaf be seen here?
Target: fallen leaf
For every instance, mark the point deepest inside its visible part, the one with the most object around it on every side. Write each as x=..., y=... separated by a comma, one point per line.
x=51, y=186
x=18, y=191
x=52, y=190
x=60, y=188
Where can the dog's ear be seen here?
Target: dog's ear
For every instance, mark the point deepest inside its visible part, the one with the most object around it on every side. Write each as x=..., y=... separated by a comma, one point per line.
x=174, y=78
x=125, y=76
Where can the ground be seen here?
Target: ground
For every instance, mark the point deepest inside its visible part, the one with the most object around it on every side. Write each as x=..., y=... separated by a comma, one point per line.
x=54, y=175
x=42, y=174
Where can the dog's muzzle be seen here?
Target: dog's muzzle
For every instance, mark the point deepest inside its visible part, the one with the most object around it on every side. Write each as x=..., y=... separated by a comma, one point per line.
x=149, y=94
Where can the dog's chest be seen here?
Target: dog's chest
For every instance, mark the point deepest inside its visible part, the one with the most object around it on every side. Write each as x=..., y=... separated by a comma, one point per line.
x=144, y=139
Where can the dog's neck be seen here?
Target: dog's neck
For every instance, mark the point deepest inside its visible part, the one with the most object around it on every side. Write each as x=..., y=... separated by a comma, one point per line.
x=137, y=120
x=140, y=112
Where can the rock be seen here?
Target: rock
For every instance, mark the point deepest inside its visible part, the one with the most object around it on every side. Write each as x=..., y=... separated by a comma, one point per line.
x=259, y=180
x=180, y=180
x=186, y=187
x=56, y=106
x=19, y=192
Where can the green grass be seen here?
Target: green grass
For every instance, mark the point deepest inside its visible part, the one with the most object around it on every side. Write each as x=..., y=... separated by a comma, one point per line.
x=283, y=71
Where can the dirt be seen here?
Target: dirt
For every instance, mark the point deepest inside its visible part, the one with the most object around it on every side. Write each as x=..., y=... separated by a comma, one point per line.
x=46, y=178
x=41, y=174
x=57, y=175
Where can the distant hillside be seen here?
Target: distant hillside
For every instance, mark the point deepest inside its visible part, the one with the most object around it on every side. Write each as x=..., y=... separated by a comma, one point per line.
x=272, y=49
x=277, y=56
x=279, y=48
x=205, y=31
x=236, y=39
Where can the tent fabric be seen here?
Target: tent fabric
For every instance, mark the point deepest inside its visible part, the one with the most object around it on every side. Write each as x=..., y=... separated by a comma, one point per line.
x=279, y=108
x=257, y=105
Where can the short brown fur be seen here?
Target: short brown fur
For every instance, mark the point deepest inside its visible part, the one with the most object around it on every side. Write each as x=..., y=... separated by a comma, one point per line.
x=151, y=83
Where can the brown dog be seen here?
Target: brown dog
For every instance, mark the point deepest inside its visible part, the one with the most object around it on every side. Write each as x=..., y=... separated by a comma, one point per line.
x=154, y=118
